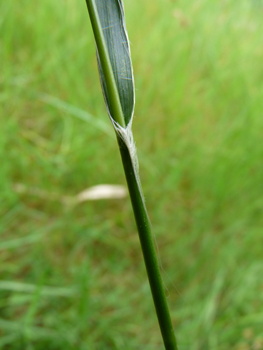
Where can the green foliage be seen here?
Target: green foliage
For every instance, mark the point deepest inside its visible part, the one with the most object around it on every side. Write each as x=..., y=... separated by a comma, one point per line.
x=198, y=68
x=114, y=59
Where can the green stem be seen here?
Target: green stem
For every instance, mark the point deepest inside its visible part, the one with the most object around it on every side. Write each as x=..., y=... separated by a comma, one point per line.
x=105, y=63
x=148, y=249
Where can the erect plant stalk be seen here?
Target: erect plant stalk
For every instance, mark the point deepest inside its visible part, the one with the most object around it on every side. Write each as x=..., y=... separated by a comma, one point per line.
x=149, y=252
x=113, y=54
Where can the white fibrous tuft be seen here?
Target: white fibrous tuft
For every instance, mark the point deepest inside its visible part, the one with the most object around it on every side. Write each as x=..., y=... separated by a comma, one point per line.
x=127, y=137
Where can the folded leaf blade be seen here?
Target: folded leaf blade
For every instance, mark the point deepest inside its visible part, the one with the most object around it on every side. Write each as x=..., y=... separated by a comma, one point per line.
x=115, y=41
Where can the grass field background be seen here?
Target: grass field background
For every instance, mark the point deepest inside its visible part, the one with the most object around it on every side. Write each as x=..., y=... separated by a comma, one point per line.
x=72, y=276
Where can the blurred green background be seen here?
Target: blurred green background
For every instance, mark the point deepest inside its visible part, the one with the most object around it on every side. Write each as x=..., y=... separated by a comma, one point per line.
x=72, y=276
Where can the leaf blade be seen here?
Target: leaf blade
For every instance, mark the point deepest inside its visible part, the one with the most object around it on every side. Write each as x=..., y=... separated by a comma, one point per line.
x=113, y=54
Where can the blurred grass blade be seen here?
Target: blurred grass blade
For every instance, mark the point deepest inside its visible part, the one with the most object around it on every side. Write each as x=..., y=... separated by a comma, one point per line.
x=19, y=242
x=32, y=288
x=113, y=55
x=76, y=112
x=37, y=333
x=8, y=339
x=25, y=240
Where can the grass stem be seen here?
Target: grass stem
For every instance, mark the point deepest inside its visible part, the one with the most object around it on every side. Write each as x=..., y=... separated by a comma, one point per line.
x=148, y=249
x=139, y=209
